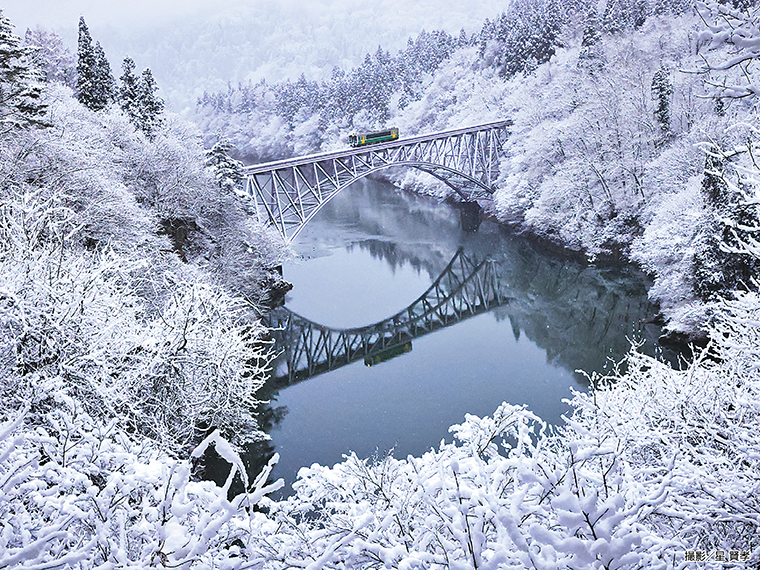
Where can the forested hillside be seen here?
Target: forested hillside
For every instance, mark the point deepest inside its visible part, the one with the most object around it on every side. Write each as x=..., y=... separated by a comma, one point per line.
x=125, y=263
x=612, y=126
x=130, y=278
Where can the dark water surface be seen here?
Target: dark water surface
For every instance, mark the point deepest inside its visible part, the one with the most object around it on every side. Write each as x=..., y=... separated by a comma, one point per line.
x=530, y=321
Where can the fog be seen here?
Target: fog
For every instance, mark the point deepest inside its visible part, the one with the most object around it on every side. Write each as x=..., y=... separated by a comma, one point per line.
x=197, y=45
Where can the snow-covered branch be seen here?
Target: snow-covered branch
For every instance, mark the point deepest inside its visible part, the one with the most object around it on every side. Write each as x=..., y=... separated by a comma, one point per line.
x=733, y=35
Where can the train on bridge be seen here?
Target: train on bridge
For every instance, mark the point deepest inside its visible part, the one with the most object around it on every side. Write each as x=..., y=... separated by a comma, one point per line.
x=288, y=193
x=373, y=138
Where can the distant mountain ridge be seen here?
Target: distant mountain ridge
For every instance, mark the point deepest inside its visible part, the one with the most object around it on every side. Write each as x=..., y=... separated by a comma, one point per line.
x=201, y=52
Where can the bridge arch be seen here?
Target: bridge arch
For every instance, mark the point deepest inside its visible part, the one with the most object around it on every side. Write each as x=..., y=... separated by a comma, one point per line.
x=288, y=193
x=429, y=168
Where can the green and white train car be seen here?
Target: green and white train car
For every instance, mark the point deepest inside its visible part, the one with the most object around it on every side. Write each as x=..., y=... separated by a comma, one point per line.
x=373, y=138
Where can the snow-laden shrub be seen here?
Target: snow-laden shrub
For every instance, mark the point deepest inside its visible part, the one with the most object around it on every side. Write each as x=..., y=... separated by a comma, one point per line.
x=473, y=504
x=667, y=250
x=78, y=493
x=170, y=370
x=69, y=167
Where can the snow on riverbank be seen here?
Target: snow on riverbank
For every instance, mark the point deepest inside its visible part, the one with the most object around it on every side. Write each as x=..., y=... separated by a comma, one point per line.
x=653, y=463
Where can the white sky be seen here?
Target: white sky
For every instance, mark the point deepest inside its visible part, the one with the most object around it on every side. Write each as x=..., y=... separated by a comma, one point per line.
x=99, y=13
x=57, y=14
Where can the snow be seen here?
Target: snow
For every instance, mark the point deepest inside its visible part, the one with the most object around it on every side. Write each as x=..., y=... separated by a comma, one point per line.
x=114, y=352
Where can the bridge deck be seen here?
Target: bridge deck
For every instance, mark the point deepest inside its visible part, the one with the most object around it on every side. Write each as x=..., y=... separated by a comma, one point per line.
x=308, y=159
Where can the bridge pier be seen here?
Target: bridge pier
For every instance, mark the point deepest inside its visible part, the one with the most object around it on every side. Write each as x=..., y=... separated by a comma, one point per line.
x=470, y=216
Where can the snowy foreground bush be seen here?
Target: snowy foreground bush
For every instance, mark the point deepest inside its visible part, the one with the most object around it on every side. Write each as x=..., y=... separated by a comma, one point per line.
x=653, y=463
x=74, y=493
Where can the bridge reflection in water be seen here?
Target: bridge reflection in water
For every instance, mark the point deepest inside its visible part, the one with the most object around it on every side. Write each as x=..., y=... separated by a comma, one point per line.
x=468, y=286
x=559, y=305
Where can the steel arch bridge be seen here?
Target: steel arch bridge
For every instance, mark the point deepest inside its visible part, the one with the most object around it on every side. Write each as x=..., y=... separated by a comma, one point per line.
x=467, y=287
x=288, y=193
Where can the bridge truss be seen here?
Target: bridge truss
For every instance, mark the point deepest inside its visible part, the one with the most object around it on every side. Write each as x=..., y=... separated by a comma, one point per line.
x=467, y=287
x=288, y=193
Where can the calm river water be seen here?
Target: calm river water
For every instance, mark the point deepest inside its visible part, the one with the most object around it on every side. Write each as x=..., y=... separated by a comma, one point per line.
x=369, y=254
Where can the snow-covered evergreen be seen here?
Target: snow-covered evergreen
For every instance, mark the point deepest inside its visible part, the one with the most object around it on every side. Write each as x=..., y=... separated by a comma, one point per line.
x=21, y=103
x=95, y=84
x=227, y=171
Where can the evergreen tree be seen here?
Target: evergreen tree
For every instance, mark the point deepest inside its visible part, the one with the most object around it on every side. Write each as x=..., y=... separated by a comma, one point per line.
x=106, y=85
x=338, y=95
x=227, y=171
x=665, y=7
x=150, y=108
x=86, y=65
x=620, y=15
x=20, y=93
x=462, y=40
x=303, y=97
x=137, y=98
x=662, y=90
x=95, y=83
x=591, y=34
x=527, y=35
x=591, y=56
x=379, y=82
x=717, y=270
x=129, y=92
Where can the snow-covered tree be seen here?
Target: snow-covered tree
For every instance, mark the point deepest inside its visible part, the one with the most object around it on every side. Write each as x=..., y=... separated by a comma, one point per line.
x=730, y=174
x=137, y=98
x=150, y=107
x=129, y=92
x=302, y=98
x=227, y=171
x=106, y=82
x=95, y=83
x=622, y=15
x=662, y=91
x=737, y=28
x=21, y=102
x=135, y=332
x=675, y=7
x=51, y=57
x=525, y=36
x=421, y=58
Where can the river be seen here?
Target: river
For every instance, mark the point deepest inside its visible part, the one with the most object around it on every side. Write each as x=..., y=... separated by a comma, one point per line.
x=369, y=255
